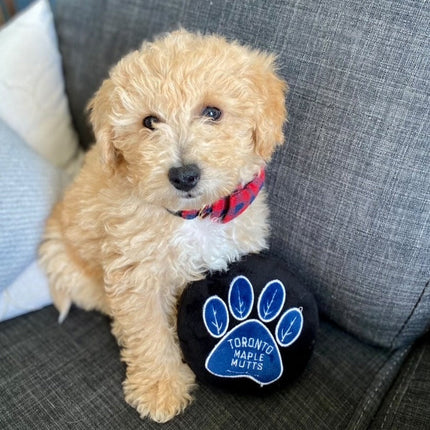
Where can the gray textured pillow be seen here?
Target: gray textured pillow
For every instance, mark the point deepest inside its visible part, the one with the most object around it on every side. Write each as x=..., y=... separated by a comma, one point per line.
x=350, y=192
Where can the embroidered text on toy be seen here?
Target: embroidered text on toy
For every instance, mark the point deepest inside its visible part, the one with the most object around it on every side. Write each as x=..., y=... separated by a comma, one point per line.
x=252, y=359
x=258, y=344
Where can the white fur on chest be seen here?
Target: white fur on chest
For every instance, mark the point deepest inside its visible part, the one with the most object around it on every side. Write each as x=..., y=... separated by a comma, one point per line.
x=207, y=245
x=202, y=245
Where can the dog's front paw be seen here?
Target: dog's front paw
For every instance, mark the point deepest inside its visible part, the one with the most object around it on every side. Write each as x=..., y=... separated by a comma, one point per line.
x=162, y=399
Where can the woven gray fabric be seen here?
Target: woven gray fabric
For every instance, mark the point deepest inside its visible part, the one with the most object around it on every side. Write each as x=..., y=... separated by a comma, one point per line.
x=69, y=376
x=407, y=404
x=350, y=194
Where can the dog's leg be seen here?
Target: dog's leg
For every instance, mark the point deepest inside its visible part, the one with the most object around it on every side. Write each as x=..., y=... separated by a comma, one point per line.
x=68, y=281
x=158, y=383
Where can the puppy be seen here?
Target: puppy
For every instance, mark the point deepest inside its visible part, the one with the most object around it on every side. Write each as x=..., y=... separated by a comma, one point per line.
x=184, y=128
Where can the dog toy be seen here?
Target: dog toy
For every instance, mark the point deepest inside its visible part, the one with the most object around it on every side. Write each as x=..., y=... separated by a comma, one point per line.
x=249, y=329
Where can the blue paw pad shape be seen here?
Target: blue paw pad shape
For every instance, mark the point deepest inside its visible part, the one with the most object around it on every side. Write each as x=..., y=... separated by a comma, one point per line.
x=249, y=350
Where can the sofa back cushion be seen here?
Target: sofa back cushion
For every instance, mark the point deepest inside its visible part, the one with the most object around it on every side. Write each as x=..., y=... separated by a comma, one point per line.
x=350, y=190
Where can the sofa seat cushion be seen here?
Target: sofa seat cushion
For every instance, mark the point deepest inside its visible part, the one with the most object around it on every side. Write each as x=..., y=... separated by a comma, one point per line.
x=349, y=192
x=69, y=376
x=407, y=405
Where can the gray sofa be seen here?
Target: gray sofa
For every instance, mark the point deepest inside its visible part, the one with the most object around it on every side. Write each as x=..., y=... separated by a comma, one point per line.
x=350, y=204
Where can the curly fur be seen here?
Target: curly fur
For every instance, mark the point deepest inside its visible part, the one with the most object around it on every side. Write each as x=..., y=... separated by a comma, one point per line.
x=111, y=245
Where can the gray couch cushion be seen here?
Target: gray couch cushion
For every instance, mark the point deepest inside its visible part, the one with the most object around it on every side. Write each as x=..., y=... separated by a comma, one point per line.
x=69, y=376
x=350, y=193
x=407, y=404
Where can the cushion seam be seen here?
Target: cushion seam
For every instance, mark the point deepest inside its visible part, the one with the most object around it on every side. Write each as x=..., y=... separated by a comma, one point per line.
x=411, y=314
x=384, y=370
x=401, y=392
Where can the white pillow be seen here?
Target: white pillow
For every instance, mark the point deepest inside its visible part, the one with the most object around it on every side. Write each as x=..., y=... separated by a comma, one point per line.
x=32, y=96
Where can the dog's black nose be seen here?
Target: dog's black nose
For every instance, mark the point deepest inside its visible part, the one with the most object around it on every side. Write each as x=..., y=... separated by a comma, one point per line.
x=184, y=178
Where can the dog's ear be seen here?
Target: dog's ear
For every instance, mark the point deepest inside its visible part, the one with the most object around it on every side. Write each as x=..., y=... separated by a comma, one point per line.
x=271, y=112
x=99, y=108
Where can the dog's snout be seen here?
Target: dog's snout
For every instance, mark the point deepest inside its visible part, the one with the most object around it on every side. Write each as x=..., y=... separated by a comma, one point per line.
x=184, y=178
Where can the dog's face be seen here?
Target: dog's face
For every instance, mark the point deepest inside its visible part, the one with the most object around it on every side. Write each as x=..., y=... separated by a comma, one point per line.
x=188, y=118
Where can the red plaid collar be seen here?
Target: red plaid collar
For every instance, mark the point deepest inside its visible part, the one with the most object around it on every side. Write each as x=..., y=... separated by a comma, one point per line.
x=228, y=208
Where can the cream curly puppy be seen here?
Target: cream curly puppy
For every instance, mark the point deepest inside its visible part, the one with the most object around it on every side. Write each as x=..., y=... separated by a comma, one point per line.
x=184, y=128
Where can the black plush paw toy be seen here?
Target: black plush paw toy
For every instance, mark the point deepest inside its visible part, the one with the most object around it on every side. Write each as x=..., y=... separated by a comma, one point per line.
x=251, y=328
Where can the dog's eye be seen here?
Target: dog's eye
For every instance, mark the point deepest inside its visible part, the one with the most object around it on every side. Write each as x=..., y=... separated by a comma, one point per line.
x=149, y=121
x=212, y=112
